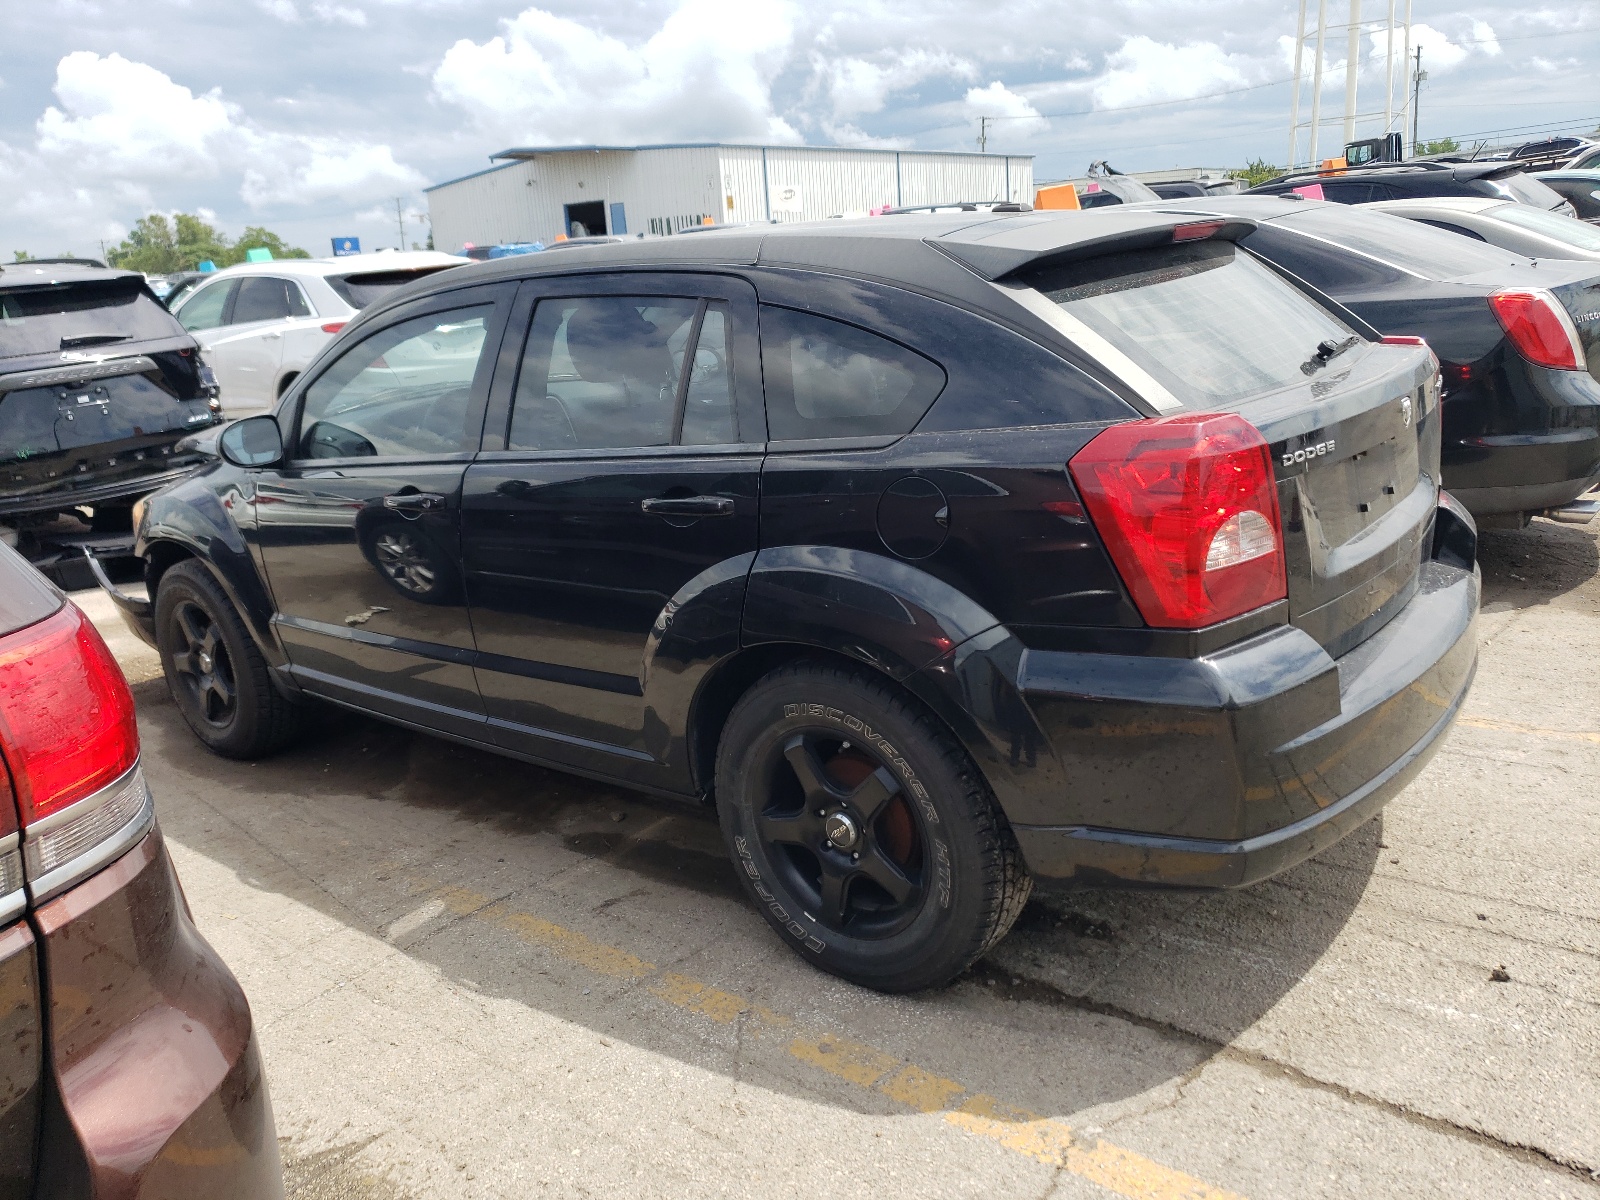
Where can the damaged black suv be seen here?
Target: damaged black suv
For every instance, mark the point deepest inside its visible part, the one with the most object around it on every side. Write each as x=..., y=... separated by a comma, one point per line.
x=98, y=384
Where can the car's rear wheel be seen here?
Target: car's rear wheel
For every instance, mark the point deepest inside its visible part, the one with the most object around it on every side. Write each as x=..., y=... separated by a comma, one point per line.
x=862, y=830
x=215, y=673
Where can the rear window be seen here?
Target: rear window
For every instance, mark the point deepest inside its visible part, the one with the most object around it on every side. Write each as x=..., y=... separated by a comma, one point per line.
x=1409, y=245
x=358, y=291
x=1206, y=320
x=1529, y=190
x=91, y=315
x=1548, y=224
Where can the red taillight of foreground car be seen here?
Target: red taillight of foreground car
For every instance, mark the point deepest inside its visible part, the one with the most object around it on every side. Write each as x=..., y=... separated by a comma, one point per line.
x=334, y=326
x=66, y=715
x=1188, y=510
x=1539, y=328
x=69, y=737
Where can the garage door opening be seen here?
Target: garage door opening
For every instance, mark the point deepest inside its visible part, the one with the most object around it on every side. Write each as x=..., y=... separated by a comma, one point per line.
x=586, y=219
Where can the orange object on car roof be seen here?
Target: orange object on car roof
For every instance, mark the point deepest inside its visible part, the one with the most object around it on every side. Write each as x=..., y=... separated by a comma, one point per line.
x=1057, y=196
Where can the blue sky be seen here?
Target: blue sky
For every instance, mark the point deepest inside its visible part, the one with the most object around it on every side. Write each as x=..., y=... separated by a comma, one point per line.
x=311, y=116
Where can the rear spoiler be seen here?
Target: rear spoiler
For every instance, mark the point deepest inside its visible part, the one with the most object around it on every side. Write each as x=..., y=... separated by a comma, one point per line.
x=996, y=250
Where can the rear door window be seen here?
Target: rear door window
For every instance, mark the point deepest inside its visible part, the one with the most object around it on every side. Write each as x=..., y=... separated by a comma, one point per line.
x=603, y=373
x=81, y=316
x=1409, y=245
x=263, y=298
x=1578, y=234
x=1207, y=320
x=358, y=291
x=403, y=392
x=1529, y=190
x=826, y=379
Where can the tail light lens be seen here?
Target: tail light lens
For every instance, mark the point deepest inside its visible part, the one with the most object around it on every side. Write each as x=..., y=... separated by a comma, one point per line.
x=69, y=737
x=1539, y=327
x=1188, y=510
x=334, y=326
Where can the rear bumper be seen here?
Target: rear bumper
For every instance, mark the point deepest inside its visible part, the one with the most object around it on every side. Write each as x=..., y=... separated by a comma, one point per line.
x=1235, y=766
x=64, y=498
x=157, y=1085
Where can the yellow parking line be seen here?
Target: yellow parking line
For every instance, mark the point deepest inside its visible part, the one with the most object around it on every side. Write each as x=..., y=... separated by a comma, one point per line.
x=1042, y=1139
x=1577, y=735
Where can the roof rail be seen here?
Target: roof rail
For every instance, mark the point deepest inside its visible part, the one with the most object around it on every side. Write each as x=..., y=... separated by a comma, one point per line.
x=1319, y=172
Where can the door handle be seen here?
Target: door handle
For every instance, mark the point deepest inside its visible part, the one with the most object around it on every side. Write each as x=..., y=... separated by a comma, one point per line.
x=689, y=506
x=414, y=501
x=272, y=334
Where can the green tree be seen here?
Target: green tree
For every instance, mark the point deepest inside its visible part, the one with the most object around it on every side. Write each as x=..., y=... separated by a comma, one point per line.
x=22, y=255
x=149, y=247
x=1447, y=145
x=256, y=238
x=1256, y=171
x=160, y=247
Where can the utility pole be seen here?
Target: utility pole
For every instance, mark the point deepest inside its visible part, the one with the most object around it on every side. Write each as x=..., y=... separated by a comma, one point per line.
x=1416, y=94
x=983, y=135
x=400, y=219
x=1352, y=71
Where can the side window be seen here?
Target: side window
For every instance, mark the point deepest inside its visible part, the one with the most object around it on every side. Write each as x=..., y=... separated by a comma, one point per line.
x=603, y=372
x=1347, y=193
x=204, y=309
x=826, y=379
x=1326, y=267
x=262, y=298
x=709, y=416
x=404, y=391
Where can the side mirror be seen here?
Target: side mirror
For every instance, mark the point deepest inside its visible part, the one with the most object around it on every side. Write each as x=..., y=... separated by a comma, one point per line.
x=252, y=442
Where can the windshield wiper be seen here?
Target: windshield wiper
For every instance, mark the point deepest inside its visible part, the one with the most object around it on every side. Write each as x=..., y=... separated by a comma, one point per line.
x=1326, y=352
x=93, y=339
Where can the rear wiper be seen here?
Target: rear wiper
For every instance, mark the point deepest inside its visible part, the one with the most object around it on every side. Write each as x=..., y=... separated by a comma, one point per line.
x=93, y=339
x=1326, y=352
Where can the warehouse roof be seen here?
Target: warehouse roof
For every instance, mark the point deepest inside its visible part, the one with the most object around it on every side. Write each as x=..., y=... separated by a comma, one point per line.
x=521, y=152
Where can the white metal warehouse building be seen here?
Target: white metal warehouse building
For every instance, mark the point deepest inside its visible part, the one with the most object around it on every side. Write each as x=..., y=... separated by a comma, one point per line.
x=535, y=193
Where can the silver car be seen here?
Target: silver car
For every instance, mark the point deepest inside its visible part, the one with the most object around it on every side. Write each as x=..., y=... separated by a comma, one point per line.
x=1520, y=228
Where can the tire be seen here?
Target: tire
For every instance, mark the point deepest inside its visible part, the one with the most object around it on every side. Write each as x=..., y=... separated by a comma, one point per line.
x=217, y=677
x=905, y=806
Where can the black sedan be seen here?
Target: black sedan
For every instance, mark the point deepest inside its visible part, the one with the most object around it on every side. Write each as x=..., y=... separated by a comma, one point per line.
x=1405, y=180
x=943, y=555
x=1518, y=341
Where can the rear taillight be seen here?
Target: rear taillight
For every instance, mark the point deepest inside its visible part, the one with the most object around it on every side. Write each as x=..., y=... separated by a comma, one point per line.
x=69, y=737
x=1188, y=510
x=1539, y=327
x=334, y=326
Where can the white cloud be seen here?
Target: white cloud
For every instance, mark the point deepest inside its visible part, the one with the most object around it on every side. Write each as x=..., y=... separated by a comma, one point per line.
x=1439, y=53
x=1144, y=70
x=339, y=14
x=997, y=100
x=859, y=85
x=1483, y=35
x=706, y=73
x=283, y=10
x=124, y=133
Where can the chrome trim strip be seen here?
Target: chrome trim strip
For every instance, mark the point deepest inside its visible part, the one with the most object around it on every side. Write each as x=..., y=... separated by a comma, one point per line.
x=101, y=853
x=13, y=905
x=81, y=371
x=1119, y=364
x=78, y=808
x=9, y=843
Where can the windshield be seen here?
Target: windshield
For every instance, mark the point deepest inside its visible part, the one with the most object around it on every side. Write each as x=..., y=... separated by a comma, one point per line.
x=358, y=291
x=1554, y=226
x=1207, y=320
x=85, y=316
x=1409, y=245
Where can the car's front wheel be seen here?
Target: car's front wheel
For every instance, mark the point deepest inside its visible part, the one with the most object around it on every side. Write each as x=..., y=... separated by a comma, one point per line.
x=215, y=673
x=862, y=830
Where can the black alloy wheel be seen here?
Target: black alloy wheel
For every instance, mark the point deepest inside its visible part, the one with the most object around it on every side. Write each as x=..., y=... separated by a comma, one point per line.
x=201, y=667
x=837, y=825
x=863, y=832
x=215, y=672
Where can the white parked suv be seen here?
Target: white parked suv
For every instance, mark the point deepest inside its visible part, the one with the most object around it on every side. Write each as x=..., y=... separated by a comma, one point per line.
x=260, y=324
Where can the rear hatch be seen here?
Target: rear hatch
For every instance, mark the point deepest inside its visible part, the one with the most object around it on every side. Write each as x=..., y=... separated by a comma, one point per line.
x=1352, y=425
x=98, y=382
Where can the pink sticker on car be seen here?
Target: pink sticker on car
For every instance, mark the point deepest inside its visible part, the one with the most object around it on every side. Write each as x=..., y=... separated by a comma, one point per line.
x=1312, y=191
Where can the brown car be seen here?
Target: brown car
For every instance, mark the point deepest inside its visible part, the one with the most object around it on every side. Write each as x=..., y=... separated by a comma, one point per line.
x=128, y=1063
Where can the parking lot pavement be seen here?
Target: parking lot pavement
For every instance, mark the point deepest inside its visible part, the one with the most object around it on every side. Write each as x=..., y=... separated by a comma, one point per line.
x=475, y=978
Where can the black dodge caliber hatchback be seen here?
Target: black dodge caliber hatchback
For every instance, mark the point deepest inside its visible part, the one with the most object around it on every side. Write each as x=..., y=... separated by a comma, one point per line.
x=943, y=554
